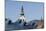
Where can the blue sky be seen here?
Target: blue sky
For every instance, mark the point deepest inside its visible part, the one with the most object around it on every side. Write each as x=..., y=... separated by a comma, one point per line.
x=32, y=10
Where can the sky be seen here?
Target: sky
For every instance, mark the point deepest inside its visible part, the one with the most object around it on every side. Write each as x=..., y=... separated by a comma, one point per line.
x=32, y=10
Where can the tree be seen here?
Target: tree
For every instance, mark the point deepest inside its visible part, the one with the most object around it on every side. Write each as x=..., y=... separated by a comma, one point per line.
x=6, y=19
x=24, y=23
x=9, y=22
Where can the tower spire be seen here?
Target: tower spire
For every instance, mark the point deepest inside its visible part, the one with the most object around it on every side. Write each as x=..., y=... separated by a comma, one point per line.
x=22, y=12
x=22, y=8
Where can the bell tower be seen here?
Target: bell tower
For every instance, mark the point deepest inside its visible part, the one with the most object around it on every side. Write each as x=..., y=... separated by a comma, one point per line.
x=22, y=17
